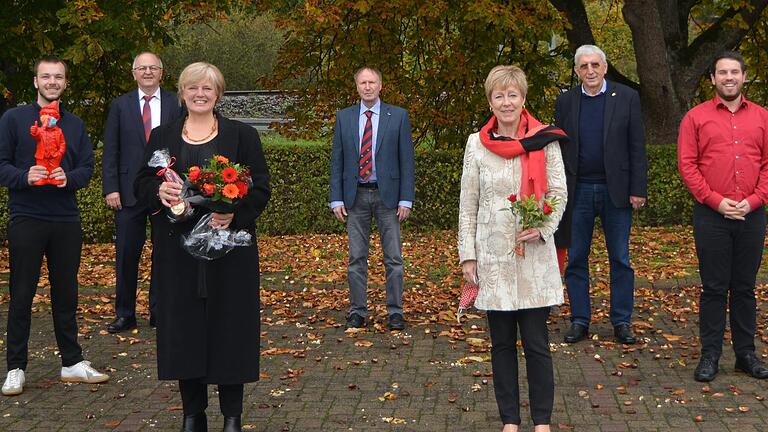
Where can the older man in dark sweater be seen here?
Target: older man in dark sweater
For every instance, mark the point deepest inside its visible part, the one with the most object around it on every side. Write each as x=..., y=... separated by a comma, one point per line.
x=44, y=221
x=606, y=170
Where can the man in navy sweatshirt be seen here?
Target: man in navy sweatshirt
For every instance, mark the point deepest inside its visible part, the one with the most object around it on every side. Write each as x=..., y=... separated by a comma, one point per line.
x=607, y=174
x=44, y=221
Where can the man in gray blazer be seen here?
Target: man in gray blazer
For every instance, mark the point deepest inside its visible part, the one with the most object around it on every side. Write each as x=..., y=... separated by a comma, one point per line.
x=132, y=117
x=372, y=175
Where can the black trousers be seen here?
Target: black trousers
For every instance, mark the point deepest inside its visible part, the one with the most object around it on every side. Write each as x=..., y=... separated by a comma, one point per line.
x=131, y=232
x=729, y=254
x=532, y=323
x=194, y=397
x=29, y=240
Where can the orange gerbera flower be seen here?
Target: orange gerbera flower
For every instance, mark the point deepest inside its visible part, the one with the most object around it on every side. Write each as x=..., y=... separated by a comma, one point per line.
x=242, y=189
x=229, y=174
x=194, y=173
x=208, y=189
x=221, y=159
x=230, y=191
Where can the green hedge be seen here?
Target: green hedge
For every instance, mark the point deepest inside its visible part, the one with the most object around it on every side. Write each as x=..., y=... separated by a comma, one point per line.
x=300, y=193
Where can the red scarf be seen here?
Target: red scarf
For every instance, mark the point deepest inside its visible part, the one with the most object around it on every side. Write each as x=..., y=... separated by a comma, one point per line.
x=535, y=136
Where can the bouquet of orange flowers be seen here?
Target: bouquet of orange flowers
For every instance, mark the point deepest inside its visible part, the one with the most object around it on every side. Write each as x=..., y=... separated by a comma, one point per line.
x=220, y=181
x=533, y=213
x=218, y=186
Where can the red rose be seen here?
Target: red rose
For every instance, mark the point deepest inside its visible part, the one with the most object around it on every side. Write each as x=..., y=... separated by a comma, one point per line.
x=194, y=173
x=512, y=198
x=242, y=189
x=208, y=189
x=547, y=209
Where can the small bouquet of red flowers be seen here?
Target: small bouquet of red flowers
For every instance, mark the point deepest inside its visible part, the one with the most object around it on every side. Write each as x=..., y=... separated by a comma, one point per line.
x=533, y=213
x=221, y=181
x=217, y=186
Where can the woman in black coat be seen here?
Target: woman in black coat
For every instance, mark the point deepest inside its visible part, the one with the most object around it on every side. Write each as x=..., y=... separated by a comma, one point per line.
x=208, y=311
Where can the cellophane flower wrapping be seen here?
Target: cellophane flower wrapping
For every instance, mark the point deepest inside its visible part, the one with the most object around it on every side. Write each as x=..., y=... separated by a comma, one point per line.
x=208, y=243
x=162, y=160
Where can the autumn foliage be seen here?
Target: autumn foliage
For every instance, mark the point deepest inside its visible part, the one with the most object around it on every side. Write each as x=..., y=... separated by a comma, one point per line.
x=434, y=57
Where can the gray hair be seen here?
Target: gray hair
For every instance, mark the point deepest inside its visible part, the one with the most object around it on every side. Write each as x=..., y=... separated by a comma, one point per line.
x=588, y=50
x=133, y=65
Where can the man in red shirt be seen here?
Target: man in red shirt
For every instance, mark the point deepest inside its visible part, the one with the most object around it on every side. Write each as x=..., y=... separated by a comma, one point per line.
x=722, y=155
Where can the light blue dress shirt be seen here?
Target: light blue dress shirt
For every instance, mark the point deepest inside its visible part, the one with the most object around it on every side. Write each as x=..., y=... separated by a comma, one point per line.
x=361, y=119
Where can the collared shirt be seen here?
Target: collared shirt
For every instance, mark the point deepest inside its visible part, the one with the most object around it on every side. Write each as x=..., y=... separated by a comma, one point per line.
x=376, y=109
x=724, y=154
x=154, y=106
x=602, y=90
x=361, y=120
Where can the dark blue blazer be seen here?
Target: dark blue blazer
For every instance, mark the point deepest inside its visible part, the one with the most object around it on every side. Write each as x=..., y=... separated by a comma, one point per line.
x=626, y=164
x=394, y=156
x=124, y=142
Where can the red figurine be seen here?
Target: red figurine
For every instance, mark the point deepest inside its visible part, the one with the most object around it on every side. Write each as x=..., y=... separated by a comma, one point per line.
x=50, y=142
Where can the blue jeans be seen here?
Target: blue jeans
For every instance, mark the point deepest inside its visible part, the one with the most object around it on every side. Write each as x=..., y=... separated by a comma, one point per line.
x=593, y=200
x=368, y=205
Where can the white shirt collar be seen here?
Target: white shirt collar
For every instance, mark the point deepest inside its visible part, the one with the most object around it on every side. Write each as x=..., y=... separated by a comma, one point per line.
x=602, y=90
x=155, y=94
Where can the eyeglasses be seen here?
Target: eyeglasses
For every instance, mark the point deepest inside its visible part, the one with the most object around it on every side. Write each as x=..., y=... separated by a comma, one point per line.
x=152, y=68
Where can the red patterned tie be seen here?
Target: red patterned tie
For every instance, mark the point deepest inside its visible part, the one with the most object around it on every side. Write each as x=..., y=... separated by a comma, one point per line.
x=366, y=162
x=146, y=115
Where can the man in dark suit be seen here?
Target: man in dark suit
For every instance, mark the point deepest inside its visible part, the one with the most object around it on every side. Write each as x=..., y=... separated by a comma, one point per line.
x=131, y=118
x=607, y=175
x=372, y=175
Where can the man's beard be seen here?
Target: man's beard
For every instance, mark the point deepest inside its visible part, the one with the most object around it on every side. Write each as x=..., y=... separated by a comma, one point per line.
x=56, y=97
x=727, y=97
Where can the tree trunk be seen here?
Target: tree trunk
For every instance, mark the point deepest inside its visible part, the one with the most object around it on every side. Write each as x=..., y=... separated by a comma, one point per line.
x=663, y=108
x=669, y=67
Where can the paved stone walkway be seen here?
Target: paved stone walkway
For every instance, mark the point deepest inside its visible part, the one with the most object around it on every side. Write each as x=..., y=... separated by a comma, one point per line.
x=317, y=377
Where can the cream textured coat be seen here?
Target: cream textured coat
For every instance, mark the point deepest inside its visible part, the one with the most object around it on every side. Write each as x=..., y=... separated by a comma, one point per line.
x=487, y=234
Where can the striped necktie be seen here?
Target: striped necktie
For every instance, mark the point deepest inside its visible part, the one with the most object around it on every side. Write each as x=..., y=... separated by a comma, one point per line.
x=146, y=116
x=366, y=161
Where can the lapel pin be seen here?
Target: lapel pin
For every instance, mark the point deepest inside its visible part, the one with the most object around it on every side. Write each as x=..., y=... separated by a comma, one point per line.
x=389, y=113
x=613, y=94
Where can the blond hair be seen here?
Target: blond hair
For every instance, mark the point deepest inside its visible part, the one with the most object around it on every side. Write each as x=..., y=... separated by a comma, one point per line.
x=201, y=71
x=504, y=76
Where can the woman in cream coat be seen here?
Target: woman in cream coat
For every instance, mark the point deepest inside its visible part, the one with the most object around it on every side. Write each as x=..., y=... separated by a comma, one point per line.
x=516, y=291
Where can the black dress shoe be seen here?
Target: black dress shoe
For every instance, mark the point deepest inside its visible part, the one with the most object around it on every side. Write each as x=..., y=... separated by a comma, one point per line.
x=355, y=321
x=752, y=365
x=706, y=370
x=396, y=322
x=232, y=424
x=623, y=333
x=195, y=423
x=576, y=333
x=121, y=324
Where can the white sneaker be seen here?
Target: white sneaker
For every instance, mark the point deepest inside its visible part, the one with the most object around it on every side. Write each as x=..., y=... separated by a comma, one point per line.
x=14, y=383
x=82, y=372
